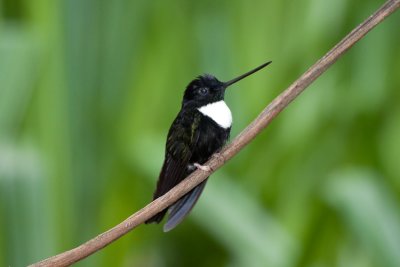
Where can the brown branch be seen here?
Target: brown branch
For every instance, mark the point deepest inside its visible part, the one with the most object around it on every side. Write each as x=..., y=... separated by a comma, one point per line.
x=266, y=116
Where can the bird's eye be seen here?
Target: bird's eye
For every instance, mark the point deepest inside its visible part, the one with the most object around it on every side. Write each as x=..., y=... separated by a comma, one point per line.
x=203, y=90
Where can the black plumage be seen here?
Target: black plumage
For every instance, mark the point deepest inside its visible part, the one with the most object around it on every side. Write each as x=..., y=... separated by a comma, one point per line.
x=192, y=139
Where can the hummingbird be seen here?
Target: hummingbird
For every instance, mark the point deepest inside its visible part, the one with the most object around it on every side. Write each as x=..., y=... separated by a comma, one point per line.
x=201, y=128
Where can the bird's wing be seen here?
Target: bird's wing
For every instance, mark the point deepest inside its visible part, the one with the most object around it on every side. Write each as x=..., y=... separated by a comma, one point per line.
x=182, y=138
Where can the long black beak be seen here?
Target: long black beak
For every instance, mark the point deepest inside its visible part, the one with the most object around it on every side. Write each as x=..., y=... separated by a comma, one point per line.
x=229, y=83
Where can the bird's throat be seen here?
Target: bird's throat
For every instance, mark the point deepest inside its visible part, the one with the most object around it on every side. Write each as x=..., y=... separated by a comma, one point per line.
x=218, y=112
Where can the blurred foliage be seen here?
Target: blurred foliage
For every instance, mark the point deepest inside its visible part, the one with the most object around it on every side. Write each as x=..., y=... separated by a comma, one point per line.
x=89, y=88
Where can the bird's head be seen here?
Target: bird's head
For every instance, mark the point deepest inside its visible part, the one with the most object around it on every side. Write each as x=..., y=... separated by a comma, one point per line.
x=203, y=90
x=207, y=89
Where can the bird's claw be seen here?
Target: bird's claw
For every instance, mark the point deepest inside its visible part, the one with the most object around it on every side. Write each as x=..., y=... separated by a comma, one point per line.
x=203, y=167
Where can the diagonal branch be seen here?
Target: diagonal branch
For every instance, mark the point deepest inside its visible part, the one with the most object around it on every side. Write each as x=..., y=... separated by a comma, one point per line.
x=247, y=135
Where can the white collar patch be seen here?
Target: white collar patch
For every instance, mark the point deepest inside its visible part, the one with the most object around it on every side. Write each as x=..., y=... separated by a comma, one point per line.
x=218, y=112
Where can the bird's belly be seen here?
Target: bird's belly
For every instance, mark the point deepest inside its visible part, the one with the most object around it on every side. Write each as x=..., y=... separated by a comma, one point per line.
x=212, y=138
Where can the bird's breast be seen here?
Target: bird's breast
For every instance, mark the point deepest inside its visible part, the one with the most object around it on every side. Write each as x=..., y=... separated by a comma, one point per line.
x=218, y=112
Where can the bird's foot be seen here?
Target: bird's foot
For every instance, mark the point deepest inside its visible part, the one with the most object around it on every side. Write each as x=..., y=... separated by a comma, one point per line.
x=203, y=167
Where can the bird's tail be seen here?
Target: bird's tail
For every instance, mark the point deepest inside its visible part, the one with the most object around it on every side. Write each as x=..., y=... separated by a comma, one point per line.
x=182, y=207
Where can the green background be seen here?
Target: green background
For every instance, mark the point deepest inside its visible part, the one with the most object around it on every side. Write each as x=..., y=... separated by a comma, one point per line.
x=88, y=89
